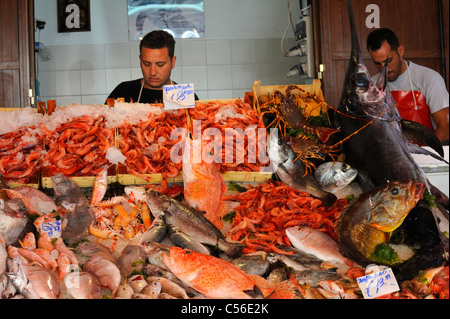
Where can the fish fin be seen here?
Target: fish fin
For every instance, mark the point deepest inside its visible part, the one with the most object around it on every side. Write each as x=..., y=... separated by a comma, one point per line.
x=420, y=134
x=413, y=148
x=283, y=168
x=255, y=293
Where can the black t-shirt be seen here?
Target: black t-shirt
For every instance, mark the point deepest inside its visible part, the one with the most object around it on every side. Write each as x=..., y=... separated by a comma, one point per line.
x=129, y=90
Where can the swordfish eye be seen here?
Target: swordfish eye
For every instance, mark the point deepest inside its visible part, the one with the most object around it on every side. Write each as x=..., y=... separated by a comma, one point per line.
x=361, y=80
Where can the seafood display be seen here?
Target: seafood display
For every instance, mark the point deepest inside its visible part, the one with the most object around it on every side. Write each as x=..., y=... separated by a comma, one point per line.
x=147, y=145
x=234, y=126
x=345, y=200
x=77, y=147
x=20, y=146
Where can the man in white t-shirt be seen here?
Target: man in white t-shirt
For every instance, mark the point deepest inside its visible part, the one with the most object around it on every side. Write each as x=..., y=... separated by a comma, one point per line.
x=419, y=92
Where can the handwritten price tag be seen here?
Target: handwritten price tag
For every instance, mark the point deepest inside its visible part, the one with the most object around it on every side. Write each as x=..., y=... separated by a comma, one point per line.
x=53, y=228
x=178, y=96
x=378, y=283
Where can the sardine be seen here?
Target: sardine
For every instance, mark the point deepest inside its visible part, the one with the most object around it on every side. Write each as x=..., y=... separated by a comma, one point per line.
x=292, y=172
x=334, y=175
x=156, y=233
x=180, y=239
x=190, y=221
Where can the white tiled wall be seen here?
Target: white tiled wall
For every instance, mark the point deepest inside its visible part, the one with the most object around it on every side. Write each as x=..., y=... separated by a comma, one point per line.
x=218, y=68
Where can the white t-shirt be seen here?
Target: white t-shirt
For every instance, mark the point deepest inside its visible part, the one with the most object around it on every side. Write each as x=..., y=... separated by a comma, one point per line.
x=429, y=82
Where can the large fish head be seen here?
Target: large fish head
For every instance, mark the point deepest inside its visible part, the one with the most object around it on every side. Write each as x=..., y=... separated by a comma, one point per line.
x=156, y=203
x=278, y=150
x=184, y=261
x=392, y=202
x=361, y=97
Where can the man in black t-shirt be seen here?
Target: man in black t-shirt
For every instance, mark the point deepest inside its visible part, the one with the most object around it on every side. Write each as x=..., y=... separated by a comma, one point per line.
x=157, y=62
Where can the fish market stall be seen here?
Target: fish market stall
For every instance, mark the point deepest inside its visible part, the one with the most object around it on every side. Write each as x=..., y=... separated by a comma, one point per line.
x=124, y=234
x=227, y=199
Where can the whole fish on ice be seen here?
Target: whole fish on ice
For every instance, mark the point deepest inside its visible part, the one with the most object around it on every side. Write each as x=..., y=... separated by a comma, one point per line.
x=204, y=186
x=334, y=175
x=370, y=218
x=80, y=217
x=318, y=244
x=292, y=172
x=191, y=222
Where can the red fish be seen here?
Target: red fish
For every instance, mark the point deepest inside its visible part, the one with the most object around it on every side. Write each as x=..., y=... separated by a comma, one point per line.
x=204, y=186
x=216, y=278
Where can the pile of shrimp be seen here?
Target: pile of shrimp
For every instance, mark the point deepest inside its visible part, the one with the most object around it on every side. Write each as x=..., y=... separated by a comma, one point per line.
x=266, y=210
x=237, y=115
x=147, y=145
x=20, y=154
x=77, y=147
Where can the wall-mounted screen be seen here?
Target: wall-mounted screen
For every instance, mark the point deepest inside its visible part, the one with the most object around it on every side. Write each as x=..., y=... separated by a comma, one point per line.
x=181, y=18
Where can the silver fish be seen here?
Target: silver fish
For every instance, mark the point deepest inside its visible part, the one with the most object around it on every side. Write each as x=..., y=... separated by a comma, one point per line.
x=292, y=172
x=180, y=239
x=156, y=232
x=190, y=221
x=16, y=275
x=334, y=175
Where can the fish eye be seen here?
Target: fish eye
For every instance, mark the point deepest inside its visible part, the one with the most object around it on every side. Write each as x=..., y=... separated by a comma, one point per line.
x=345, y=168
x=394, y=191
x=361, y=80
x=188, y=252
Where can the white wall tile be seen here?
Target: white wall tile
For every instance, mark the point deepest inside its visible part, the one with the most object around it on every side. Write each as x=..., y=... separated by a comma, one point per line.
x=240, y=94
x=219, y=94
x=94, y=99
x=244, y=75
x=243, y=52
x=193, y=52
x=219, y=77
x=47, y=83
x=196, y=75
x=67, y=100
x=93, y=82
x=66, y=58
x=117, y=55
x=116, y=76
x=92, y=57
x=68, y=83
x=218, y=52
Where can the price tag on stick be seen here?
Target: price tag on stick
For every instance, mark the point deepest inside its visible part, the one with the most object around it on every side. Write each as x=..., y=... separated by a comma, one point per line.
x=178, y=96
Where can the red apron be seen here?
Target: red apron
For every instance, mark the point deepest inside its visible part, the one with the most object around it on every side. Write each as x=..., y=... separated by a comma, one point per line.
x=404, y=101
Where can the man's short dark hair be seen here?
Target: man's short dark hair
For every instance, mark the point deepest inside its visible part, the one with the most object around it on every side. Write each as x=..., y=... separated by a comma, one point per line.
x=158, y=39
x=376, y=38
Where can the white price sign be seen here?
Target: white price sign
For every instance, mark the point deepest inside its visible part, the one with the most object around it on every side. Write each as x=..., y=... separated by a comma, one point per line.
x=378, y=284
x=178, y=96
